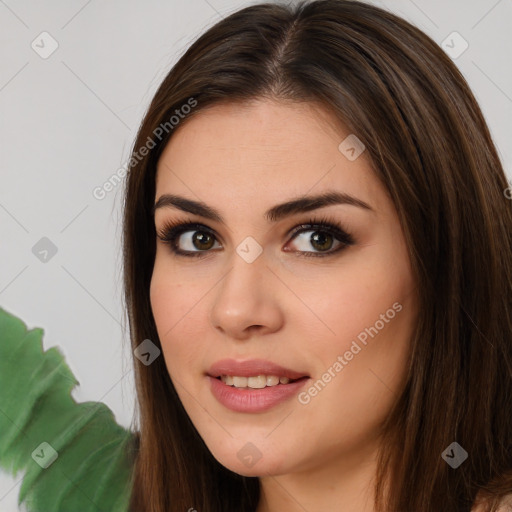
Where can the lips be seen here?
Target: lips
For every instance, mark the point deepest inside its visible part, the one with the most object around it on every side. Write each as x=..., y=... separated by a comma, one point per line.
x=251, y=399
x=252, y=368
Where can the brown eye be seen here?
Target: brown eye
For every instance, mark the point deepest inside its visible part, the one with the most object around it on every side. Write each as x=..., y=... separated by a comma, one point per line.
x=193, y=241
x=188, y=239
x=322, y=241
x=317, y=240
x=201, y=240
x=196, y=240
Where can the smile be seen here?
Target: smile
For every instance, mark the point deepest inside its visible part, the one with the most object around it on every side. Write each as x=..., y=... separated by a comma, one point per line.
x=257, y=382
x=253, y=385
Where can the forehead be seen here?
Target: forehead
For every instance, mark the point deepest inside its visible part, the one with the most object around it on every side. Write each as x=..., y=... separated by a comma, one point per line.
x=261, y=153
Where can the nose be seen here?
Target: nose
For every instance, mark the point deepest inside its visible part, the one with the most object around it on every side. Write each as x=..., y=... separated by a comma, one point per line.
x=245, y=301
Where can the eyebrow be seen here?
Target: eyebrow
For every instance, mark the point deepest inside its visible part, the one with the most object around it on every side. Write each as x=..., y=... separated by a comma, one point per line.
x=274, y=214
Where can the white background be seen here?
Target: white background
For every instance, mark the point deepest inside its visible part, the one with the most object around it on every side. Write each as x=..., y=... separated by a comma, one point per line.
x=67, y=124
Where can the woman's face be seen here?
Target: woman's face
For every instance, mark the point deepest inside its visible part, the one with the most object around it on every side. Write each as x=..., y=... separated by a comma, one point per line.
x=341, y=319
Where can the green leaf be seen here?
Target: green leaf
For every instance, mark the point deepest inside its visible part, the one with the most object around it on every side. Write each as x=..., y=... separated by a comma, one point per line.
x=95, y=456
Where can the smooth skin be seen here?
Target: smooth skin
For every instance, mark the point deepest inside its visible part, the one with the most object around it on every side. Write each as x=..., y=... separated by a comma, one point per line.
x=299, y=312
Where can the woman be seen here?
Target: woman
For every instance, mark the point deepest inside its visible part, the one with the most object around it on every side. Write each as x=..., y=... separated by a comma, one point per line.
x=317, y=240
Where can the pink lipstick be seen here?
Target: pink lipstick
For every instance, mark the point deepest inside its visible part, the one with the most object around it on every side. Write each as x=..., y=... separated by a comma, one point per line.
x=254, y=385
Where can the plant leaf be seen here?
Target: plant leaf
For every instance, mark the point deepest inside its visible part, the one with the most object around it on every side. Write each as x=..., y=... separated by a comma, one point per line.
x=94, y=460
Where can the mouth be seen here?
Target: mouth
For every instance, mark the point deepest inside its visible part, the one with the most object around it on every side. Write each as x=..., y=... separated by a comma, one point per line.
x=253, y=369
x=254, y=385
x=257, y=381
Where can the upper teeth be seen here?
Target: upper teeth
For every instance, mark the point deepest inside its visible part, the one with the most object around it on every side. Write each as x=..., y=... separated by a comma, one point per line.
x=257, y=382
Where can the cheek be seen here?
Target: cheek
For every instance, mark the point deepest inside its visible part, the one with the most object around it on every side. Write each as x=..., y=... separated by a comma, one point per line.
x=173, y=298
x=344, y=301
x=365, y=312
x=174, y=305
x=180, y=311
x=360, y=370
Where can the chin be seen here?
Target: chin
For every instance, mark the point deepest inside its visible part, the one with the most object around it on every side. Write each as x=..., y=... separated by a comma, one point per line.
x=255, y=465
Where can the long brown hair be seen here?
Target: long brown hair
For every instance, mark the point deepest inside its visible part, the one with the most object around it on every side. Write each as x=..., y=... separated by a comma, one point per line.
x=425, y=134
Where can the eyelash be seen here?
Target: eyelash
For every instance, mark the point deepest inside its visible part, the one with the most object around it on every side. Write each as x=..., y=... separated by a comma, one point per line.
x=173, y=229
